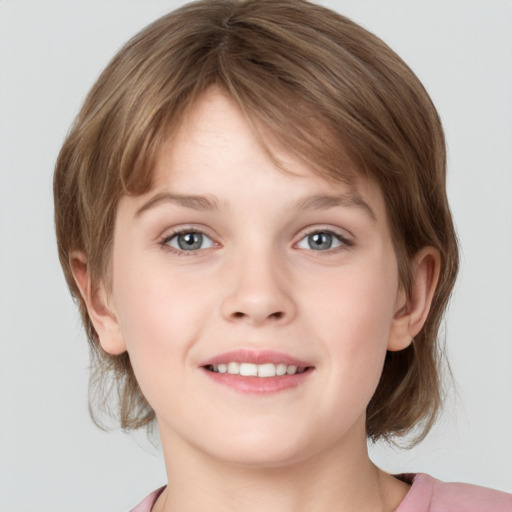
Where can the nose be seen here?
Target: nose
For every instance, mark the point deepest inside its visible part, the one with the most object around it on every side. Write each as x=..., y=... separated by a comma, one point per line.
x=259, y=292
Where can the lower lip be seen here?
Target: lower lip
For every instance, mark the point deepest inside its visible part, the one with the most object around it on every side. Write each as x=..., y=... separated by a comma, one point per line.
x=259, y=385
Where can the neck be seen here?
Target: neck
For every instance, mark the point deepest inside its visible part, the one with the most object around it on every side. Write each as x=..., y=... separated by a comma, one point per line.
x=342, y=480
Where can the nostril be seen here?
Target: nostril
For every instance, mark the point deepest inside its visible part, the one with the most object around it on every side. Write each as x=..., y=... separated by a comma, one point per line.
x=257, y=317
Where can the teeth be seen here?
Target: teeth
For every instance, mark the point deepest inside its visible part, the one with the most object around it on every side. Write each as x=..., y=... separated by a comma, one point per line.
x=248, y=370
x=291, y=370
x=281, y=369
x=233, y=368
x=267, y=370
x=257, y=370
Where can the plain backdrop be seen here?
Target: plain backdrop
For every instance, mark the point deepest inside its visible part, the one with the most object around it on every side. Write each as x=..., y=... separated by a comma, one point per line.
x=52, y=458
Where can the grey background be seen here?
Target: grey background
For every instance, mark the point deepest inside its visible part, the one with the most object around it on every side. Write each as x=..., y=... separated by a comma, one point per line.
x=52, y=458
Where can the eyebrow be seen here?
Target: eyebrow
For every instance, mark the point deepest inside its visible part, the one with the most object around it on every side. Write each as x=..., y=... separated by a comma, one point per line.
x=204, y=203
x=201, y=203
x=324, y=202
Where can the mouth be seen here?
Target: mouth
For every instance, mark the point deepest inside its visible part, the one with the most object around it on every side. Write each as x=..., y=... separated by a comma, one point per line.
x=263, y=371
x=257, y=372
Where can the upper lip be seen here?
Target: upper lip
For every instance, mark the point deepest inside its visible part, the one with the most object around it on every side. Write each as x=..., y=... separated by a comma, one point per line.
x=255, y=357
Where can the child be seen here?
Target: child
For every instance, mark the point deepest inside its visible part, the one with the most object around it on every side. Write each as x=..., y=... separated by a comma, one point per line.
x=251, y=213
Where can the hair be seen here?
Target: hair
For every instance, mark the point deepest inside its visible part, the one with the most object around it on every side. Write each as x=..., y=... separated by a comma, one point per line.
x=329, y=92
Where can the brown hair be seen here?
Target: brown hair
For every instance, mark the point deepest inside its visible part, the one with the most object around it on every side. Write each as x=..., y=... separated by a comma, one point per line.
x=330, y=92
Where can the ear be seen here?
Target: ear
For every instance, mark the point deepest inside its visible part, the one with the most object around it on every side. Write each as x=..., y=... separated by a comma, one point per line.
x=411, y=312
x=102, y=317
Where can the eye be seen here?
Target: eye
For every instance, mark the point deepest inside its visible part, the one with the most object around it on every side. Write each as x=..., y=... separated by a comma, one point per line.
x=189, y=241
x=322, y=241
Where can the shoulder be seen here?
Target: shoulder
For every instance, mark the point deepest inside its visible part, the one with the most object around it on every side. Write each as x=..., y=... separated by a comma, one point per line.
x=430, y=495
x=147, y=503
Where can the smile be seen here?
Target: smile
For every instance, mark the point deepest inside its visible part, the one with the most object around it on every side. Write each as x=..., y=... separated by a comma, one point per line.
x=257, y=370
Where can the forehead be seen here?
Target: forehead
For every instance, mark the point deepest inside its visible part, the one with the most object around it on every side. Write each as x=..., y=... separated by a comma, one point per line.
x=216, y=156
x=214, y=126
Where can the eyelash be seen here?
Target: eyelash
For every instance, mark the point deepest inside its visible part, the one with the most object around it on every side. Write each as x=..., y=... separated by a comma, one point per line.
x=344, y=241
x=164, y=242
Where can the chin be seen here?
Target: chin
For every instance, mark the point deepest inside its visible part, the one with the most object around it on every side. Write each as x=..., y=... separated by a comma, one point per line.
x=257, y=459
x=259, y=451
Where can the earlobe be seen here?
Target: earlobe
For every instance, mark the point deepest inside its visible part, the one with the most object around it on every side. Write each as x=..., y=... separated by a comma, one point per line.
x=102, y=317
x=411, y=312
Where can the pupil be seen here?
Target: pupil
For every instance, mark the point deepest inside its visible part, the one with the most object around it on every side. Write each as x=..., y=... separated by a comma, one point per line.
x=319, y=241
x=190, y=241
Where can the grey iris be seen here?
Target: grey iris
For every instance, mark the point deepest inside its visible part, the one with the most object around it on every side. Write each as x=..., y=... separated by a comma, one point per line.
x=190, y=241
x=320, y=241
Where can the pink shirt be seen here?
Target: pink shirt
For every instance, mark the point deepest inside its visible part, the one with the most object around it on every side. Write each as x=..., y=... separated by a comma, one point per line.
x=430, y=495
x=426, y=495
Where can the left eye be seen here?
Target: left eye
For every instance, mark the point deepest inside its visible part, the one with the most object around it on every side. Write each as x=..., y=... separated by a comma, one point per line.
x=189, y=241
x=321, y=241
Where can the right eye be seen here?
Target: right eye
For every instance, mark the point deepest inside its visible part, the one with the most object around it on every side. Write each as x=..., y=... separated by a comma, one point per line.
x=323, y=240
x=188, y=241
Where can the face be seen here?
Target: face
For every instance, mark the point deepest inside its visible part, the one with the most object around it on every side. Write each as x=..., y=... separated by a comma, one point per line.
x=256, y=305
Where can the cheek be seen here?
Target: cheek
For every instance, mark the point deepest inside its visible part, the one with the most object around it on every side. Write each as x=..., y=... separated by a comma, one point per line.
x=355, y=313
x=159, y=330
x=356, y=299
x=159, y=319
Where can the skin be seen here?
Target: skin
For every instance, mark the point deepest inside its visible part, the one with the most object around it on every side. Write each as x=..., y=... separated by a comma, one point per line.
x=257, y=284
